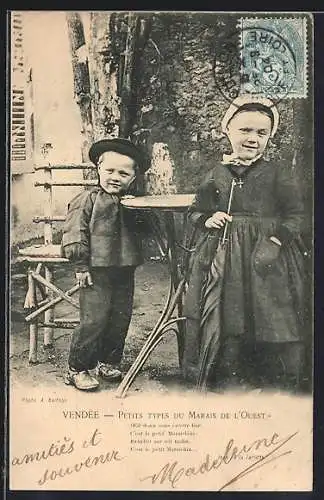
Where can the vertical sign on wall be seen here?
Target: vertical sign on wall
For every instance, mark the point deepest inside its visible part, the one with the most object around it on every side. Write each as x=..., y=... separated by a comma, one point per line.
x=18, y=123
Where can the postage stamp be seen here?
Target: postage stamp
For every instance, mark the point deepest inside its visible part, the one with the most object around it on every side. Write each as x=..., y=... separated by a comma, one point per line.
x=274, y=57
x=264, y=56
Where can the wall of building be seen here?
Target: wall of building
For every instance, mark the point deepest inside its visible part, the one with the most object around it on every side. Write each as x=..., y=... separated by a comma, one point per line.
x=56, y=118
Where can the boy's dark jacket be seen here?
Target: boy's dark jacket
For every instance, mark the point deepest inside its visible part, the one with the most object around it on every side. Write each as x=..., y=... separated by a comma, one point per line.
x=100, y=232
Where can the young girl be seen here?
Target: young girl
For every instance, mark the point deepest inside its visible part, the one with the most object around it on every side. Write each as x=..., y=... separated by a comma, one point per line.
x=245, y=310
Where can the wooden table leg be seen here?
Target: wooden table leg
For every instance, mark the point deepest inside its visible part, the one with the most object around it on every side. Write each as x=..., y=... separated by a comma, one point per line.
x=174, y=265
x=165, y=324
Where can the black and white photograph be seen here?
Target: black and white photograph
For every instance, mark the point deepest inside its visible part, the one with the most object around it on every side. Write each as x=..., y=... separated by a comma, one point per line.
x=161, y=250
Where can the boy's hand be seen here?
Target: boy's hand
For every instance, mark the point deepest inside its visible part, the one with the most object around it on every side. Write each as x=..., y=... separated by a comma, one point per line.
x=217, y=220
x=84, y=279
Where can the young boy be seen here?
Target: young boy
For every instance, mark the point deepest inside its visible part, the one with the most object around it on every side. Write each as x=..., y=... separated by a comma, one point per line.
x=103, y=240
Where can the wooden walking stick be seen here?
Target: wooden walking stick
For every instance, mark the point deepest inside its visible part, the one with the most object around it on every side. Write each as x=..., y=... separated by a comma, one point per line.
x=228, y=211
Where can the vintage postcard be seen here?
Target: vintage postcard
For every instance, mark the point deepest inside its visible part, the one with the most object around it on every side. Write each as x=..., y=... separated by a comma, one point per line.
x=161, y=286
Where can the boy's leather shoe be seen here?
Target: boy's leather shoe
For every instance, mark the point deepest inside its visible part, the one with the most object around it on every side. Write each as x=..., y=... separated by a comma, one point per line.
x=81, y=380
x=108, y=371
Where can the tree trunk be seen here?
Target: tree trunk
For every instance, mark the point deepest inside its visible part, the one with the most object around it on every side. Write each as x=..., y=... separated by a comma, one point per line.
x=138, y=30
x=103, y=78
x=107, y=78
x=81, y=78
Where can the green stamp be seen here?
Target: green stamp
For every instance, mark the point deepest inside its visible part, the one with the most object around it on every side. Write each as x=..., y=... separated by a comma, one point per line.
x=273, y=56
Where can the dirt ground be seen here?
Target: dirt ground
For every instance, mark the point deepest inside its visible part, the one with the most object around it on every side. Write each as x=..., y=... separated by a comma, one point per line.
x=161, y=371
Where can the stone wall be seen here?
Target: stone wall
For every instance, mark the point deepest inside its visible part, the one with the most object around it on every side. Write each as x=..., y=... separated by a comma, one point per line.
x=181, y=105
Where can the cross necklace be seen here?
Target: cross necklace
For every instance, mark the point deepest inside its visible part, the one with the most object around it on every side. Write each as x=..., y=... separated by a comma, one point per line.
x=238, y=173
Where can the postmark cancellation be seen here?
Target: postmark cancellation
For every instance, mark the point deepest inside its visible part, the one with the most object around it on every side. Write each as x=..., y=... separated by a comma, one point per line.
x=273, y=56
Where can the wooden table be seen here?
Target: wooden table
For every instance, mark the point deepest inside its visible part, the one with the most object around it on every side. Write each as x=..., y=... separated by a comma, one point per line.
x=163, y=207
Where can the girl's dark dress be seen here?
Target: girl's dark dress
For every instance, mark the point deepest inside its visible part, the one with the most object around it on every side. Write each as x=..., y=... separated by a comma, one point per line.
x=257, y=303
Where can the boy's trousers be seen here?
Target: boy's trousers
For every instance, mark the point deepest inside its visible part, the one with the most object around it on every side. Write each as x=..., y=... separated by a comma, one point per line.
x=105, y=314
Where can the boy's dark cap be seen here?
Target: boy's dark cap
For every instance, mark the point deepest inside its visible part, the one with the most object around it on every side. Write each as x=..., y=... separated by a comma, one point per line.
x=120, y=145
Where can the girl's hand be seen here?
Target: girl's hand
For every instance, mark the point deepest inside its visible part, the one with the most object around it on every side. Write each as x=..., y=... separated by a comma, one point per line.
x=266, y=255
x=84, y=279
x=217, y=220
